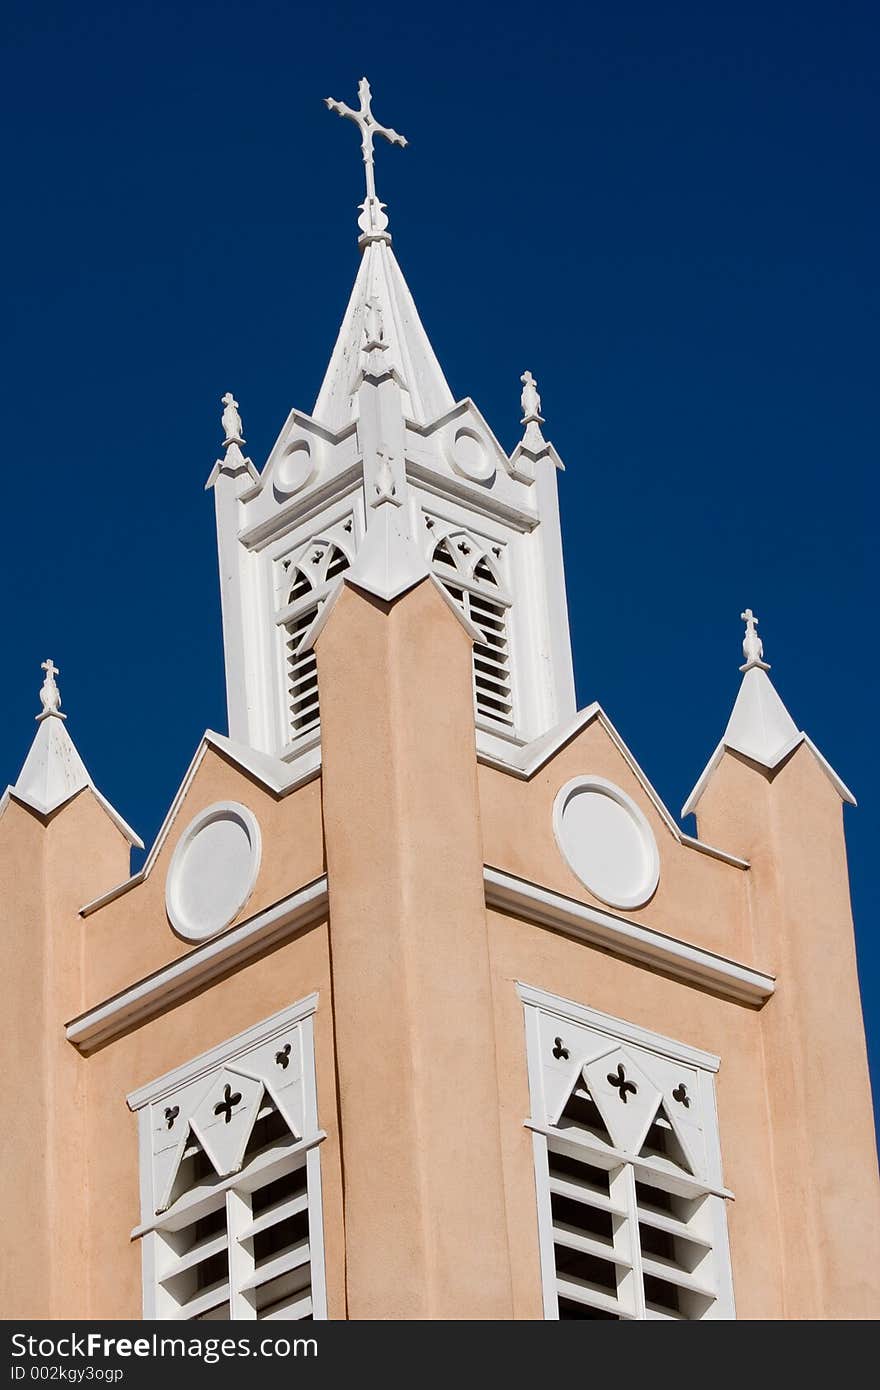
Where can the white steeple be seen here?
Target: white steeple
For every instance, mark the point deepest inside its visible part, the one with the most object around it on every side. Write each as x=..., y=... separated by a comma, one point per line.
x=53, y=771
x=380, y=291
x=760, y=727
x=388, y=480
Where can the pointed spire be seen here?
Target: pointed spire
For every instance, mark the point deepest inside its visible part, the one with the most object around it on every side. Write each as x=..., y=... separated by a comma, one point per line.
x=382, y=329
x=53, y=771
x=760, y=727
x=372, y=221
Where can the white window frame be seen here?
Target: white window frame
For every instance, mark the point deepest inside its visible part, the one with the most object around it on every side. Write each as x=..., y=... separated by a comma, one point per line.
x=548, y=1016
x=150, y=1101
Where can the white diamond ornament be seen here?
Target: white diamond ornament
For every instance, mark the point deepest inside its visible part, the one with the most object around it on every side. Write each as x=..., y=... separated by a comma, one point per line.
x=625, y=1096
x=223, y=1121
x=278, y=1066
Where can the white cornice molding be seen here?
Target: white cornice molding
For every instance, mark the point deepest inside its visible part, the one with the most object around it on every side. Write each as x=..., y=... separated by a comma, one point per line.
x=482, y=503
x=632, y=940
x=524, y=761
x=301, y=509
x=772, y=766
x=272, y=773
x=233, y=947
x=198, y=968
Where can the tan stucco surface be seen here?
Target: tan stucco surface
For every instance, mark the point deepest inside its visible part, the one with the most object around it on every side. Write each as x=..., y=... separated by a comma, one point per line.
x=429, y=1200
x=292, y=855
x=699, y=898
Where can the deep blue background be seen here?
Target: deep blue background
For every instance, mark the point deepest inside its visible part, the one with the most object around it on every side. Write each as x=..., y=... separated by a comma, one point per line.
x=669, y=212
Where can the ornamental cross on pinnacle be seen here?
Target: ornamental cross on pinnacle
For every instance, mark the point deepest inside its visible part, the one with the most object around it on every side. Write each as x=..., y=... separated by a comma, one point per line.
x=372, y=220
x=50, y=696
x=753, y=647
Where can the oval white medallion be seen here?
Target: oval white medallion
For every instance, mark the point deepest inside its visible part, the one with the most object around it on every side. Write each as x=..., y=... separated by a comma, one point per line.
x=471, y=456
x=607, y=841
x=295, y=468
x=213, y=870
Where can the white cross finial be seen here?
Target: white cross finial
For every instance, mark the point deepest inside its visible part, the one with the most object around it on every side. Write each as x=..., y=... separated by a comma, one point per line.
x=231, y=421
x=753, y=647
x=372, y=221
x=50, y=695
x=530, y=400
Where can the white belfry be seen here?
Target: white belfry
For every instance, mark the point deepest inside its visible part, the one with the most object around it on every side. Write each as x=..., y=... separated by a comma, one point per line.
x=372, y=222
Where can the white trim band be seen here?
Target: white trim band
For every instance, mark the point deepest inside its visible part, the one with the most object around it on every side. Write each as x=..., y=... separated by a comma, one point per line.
x=628, y=939
x=198, y=967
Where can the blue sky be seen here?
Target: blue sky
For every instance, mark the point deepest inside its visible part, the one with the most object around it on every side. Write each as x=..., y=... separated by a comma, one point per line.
x=668, y=212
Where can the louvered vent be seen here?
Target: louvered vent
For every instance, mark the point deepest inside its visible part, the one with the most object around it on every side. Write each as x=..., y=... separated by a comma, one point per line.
x=306, y=594
x=477, y=593
x=624, y=1245
x=242, y=1251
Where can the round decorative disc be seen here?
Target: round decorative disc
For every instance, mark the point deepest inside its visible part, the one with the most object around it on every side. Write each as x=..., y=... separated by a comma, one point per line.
x=294, y=469
x=606, y=841
x=213, y=870
x=471, y=456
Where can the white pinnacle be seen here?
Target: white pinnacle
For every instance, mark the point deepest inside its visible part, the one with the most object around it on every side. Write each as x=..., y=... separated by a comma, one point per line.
x=231, y=421
x=372, y=221
x=530, y=400
x=760, y=727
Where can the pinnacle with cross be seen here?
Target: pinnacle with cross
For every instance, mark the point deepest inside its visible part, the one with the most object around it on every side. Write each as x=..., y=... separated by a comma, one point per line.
x=372, y=221
x=753, y=647
x=50, y=695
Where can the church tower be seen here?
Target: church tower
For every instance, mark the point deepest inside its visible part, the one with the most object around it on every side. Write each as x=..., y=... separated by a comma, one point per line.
x=423, y=1005
x=388, y=480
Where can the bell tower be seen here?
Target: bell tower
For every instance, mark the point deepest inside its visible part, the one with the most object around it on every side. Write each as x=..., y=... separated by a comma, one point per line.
x=387, y=480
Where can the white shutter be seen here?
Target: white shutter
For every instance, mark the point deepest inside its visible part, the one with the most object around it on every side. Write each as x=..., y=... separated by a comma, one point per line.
x=627, y=1161
x=306, y=586
x=245, y=1244
x=471, y=580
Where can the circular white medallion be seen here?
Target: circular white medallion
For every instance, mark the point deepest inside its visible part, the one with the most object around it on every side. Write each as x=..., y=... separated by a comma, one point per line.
x=213, y=870
x=294, y=469
x=470, y=455
x=607, y=841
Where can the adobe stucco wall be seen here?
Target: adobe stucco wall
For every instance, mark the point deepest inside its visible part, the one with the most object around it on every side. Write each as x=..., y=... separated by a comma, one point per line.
x=419, y=1031
x=131, y=937
x=260, y=989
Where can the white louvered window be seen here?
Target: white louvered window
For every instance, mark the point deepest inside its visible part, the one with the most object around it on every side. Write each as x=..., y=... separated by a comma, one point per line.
x=471, y=575
x=631, y=1204
x=230, y=1181
x=306, y=581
